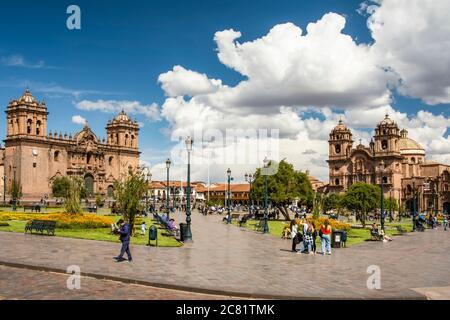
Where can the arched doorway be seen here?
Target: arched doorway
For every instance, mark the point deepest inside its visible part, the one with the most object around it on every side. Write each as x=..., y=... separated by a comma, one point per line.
x=110, y=191
x=409, y=204
x=89, y=185
x=446, y=207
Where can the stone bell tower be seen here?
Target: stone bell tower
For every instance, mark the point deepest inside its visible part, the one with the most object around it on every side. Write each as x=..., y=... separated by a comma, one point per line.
x=387, y=136
x=26, y=117
x=122, y=131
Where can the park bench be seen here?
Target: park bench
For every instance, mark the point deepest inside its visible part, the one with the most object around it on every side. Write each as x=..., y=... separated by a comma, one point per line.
x=32, y=207
x=244, y=219
x=91, y=209
x=165, y=224
x=41, y=226
x=260, y=225
x=376, y=236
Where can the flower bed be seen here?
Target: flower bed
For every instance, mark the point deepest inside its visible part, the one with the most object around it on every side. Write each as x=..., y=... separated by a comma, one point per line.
x=335, y=224
x=63, y=220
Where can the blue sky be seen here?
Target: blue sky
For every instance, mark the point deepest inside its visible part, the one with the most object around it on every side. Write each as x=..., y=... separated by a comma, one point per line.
x=124, y=46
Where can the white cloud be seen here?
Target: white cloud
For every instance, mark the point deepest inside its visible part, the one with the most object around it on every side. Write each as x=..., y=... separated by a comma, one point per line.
x=295, y=83
x=79, y=120
x=18, y=60
x=151, y=111
x=180, y=82
x=413, y=38
x=321, y=68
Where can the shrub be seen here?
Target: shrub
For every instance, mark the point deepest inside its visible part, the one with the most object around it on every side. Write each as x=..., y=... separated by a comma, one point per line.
x=4, y=224
x=335, y=224
x=83, y=221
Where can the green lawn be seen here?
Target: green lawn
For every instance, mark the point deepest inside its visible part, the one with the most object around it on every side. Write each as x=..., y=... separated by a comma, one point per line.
x=101, y=234
x=354, y=236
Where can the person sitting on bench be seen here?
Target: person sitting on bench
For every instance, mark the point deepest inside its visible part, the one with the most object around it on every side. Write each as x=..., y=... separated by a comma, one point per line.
x=375, y=233
x=171, y=225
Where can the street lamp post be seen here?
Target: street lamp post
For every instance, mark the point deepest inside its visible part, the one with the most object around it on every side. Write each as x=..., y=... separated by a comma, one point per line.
x=250, y=178
x=266, y=213
x=229, y=196
x=188, y=235
x=414, y=204
x=14, y=191
x=4, y=189
x=390, y=205
x=168, y=162
x=147, y=181
x=382, y=195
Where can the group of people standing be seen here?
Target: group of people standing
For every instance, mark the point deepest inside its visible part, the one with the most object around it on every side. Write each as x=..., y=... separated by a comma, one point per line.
x=304, y=232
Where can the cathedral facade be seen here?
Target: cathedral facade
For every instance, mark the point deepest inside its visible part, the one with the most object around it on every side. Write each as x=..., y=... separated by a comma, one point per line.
x=393, y=160
x=35, y=158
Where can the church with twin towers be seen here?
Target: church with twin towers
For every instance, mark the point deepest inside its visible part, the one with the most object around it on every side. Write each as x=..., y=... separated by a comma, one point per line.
x=35, y=157
x=393, y=160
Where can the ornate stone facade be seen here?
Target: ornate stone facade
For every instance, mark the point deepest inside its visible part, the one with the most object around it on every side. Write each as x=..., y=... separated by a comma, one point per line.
x=395, y=158
x=36, y=158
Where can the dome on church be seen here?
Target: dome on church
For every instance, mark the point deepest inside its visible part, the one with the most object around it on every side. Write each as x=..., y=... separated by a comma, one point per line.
x=122, y=117
x=27, y=97
x=340, y=127
x=408, y=145
x=386, y=121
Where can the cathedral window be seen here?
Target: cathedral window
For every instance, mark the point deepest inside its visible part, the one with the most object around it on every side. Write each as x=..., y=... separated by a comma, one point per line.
x=413, y=160
x=385, y=179
x=132, y=140
x=384, y=144
x=126, y=139
x=38, y=128
x=56, y=156
x=110, y=160
x=336, y=182
x=29, y=122
x=338, y=148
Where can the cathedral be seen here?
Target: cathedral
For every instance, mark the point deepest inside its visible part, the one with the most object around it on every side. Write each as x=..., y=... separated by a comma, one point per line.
x=35, y=158
x=393, y=160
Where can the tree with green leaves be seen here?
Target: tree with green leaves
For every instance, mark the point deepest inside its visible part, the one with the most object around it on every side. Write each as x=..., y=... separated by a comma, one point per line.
x=362, y=198
x=128, y=192
x=285, y=186
x=61, y=187
x=333, y=201
x=73, y=195
x=390, y=204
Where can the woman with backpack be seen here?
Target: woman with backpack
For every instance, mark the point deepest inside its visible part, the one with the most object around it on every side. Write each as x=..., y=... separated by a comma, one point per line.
x=308, y=238
x=294, y=235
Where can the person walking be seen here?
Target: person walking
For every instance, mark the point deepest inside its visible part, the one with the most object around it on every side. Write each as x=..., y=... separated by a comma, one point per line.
x=445, y=222
x=125, y=236
x=294, y=233
x=325, y=230
x=308, y=238
x=314, y=236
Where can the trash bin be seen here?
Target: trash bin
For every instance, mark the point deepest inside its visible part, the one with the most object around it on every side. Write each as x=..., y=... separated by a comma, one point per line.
x=183, y=229
x=153, y=234
x=338, y=238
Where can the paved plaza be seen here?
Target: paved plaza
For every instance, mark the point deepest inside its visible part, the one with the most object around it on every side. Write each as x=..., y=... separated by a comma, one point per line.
x=232, y=261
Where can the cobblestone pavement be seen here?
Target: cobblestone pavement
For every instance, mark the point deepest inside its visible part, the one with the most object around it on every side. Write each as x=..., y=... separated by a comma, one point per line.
x=239, y=262
x=20, y=284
